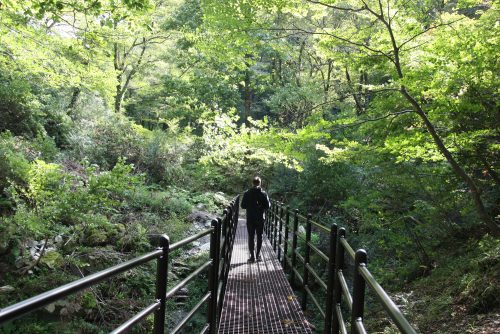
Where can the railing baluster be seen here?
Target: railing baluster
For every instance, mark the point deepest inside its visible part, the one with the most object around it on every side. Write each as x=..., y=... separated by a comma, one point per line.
x=161, y=285
x=213, y=280
x=358, y=290
x=337, y=289
x=280, y=230
x=265, y=223
x=294, y=244
x=275, y=225
x=331, y=276
x=222, y=259
x=285, y=243
x=271, y=220
x=306, y=261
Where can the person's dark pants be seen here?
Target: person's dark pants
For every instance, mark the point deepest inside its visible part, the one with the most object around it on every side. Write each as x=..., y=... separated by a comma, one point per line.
x=255, y=227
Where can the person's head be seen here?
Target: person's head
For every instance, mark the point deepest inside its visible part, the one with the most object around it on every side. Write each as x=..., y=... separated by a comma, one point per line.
x=256, y=181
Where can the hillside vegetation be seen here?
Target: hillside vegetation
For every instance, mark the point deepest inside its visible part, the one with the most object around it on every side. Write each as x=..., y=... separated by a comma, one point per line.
x=118, y=118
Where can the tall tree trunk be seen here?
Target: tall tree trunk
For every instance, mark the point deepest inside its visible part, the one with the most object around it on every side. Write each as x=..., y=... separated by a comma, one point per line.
x=299, y=63
x=73, y=101
x=247, y=96
x=474, y=191
x=356, y=97
x=123, y=79
x=118, y=96
x=457, y=169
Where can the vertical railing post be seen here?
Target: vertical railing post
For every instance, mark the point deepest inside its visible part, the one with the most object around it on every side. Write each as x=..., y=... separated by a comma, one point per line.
x=306, y=261
x=294, y=245
x=337, y=289
x=280, y=230
x=269, y=219
x=161, y=285
x=270, y=222
x=224, y=249
x=276, y=217
x=331, y=280
x=227, y=213
x=233, y=224
x=358, y=290
x=220, y=271
x=265, y=223
x=229, y=233
x=285, y=242
x=213, y=279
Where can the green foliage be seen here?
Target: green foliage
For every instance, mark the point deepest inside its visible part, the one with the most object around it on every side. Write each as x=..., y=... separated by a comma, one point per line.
x=19, y=109
x=119, y=119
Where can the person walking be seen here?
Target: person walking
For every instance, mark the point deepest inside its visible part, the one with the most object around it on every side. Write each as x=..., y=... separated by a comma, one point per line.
x=256, y=202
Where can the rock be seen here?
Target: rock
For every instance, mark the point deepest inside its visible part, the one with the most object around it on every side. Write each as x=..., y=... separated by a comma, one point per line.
x=58, y=239
x=196, y=244
x=20, y=262
x=205, y=247
x=32, y=243
x=200, y=216
x=6, y=288
x=178, y=263
x=220, y=198
x=302, y=229
x=177, y=315
x=51, y=308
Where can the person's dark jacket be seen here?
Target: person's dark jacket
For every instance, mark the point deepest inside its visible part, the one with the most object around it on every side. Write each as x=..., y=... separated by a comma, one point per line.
x=256, y=202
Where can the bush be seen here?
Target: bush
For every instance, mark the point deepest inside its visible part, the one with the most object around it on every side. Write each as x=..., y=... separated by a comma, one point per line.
x=19, y=108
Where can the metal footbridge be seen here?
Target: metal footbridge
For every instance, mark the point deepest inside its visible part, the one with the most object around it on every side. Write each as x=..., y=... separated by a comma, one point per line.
x=247, y=298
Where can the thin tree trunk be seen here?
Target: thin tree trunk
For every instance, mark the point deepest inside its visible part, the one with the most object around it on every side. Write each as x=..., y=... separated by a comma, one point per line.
x=457, y=169
x=299, y=65
x=247, y=97
x=359, y=107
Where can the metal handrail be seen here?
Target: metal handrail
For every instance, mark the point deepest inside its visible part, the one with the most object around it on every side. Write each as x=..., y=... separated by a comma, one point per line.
x=33, y=303
x=217, y=278
x=188, y=279
x=337, y=286
x=315, y=301
x=137, y=318
x=316, y=276
x=190, y=315
x=318, y=251
x=189, y=240
x=391, y=308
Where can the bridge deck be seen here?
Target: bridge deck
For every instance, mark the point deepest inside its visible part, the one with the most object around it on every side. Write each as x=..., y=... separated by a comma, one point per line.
x=258, y=297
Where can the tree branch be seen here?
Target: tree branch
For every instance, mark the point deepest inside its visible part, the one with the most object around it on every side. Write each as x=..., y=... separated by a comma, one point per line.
x=393, y=115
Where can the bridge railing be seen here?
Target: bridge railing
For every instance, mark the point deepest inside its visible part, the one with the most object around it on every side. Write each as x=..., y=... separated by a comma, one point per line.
x=222, y=233
x=277, y=227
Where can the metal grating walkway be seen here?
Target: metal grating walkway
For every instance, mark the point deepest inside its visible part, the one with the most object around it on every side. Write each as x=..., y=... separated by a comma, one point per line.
x=258, y=297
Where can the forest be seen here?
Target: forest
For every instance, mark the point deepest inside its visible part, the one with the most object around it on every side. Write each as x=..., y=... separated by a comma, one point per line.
x=120, y=118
